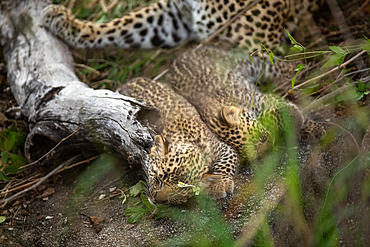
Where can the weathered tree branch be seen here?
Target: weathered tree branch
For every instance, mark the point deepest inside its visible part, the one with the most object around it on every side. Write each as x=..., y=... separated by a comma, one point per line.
x=53, y=100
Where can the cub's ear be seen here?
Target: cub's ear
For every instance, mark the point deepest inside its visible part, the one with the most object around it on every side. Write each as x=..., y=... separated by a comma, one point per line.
x=230, y=115
x=160, y=146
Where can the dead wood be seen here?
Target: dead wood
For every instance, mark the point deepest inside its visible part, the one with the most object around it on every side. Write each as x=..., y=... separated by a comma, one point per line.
x=55, y=103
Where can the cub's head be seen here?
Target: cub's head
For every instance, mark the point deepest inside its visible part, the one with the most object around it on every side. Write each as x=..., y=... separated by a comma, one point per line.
x=170, y=164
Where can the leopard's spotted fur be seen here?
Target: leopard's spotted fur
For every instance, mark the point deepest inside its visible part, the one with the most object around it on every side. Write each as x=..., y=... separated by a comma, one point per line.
x=185, y=151
x=169, y=23
x=194, y=152
x=221, y=87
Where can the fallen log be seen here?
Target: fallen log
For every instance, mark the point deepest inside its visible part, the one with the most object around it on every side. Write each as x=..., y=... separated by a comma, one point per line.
x=40, y=73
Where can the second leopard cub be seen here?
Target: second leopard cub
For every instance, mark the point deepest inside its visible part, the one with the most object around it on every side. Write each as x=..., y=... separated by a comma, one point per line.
x=221, y=87
x=185, y=151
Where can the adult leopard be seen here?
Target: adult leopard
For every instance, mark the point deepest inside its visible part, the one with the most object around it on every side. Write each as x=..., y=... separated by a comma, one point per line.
x=169, y=23
x=185, y=151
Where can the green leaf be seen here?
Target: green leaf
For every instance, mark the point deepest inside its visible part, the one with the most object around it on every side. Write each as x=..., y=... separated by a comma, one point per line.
x=271, y=58
x=340, y=98
x=9, y=142
x=12, y=139
x=99, y=66
x=13, y=128
x=334, y=60
x=84, y=13
x=4, y=157
x=313, y=88
x=18, y=160
x=146, y=201
x=349, y=95
x=293, y=81
x=3, y=176
x=251, y=57
x=341, y=61
x=359, y=95
x=361, y=87
x=19, y=141
x=103, y=18
x=12, y=169
x=2, y=219
x=299, y=68
x=366, y=46
x=337, y=49
x=292, y=40
x=296, y=48
x=137, y=188
x=134, y=214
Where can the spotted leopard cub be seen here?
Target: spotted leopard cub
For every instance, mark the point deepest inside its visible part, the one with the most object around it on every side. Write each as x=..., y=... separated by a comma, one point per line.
x=185, y=151
x=221, y=87
x=169, y=23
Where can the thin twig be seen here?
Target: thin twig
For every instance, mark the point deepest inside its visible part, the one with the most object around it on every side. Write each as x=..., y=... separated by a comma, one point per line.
x=223, y=27
x=160, y=75
x=349, y=133
x=331, y=71
x=105, y=7
x=51, y=150
x=18, y=187
x=354, y=72
x=332, y=33
x=78, y=163
x=1, y=135
x=5, y=201
x=323, y=90
x=37, y=174
x=83, y=66
x=16, y=212
x=71, y=4
x=358, y=10
x=321, y=102
x=339, y=18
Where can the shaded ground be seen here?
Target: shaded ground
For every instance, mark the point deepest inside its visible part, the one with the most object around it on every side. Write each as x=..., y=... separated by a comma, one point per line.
x=62, y=218
x=67, y=211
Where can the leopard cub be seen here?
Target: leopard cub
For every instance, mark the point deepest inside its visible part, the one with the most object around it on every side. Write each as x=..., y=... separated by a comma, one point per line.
x=221, y=87
x=185, y=149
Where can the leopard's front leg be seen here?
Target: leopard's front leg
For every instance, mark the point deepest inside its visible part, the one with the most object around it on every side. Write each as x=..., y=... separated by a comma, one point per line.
x=219, y=181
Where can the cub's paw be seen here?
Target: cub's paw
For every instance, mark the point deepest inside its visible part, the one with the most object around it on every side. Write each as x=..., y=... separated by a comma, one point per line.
x=218, y=186
x=311, y=132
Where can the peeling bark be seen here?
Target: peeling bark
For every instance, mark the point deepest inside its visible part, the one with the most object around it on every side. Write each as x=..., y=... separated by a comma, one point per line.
x=41, y=76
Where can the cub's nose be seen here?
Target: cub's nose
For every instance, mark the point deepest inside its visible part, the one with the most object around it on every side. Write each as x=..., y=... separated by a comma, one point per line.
x=162, y=196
